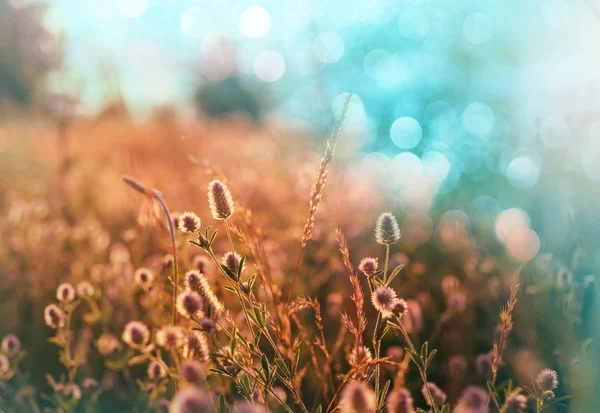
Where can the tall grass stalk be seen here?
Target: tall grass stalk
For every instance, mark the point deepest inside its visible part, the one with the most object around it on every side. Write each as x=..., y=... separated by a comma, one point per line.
x=316, y=191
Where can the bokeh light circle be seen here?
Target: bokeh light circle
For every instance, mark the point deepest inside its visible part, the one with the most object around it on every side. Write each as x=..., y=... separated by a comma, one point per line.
x=269, y=66
x=405, y=168
x=328, y=47
x=523, y=173
x=406, y=133
x=478, y=28
x=554, y=132
x=255, y=22
x=435, y=165
x=417, y=228
x=478, y=118
x=132, y=9
x=509, y=221
x=413, y=23
x=523, y=244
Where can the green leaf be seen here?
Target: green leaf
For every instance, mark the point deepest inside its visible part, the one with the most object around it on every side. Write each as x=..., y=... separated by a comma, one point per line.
x=251, y=281
x=230, y=288
x=394, y=273
x=222, y=406
x=282, y=367
x=319, y=409
x=383, y=393
x=430, y=356
x=241, y=267
x=424, y=351
x=265, y=367
x=228, y=273
x=212, y=238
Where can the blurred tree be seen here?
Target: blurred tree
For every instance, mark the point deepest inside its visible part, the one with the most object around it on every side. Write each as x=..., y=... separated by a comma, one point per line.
x=28, y=52
x=217, y=99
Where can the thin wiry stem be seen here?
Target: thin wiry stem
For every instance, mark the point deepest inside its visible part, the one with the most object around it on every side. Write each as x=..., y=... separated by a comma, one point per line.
x=229, y=235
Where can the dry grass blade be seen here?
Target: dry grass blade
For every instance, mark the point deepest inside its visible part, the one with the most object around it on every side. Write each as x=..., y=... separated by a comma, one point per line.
x=357, y=294
x=316, y=191
x=506, y=321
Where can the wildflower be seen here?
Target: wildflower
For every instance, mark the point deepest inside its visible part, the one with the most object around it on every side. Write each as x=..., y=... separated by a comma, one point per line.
x=189, y=223
x=357, y=397
x=203, y=287
x=4, y=364
x=200, y=262
x=65, y=293
x=247, y=407
x=384, y=299
x=191, y=400
x=11, y=344
x=189, y=304
x=196, y=345
x=360, y=356
x=191, y=280
x=483, y=364
x=89, y=383
x=400, y=401
x=438, y=397
x=136, y=334
x=473, y=399
x=85, y=289
x=547, y=379
x=54, y=316
x=192, y=372
x=232, y=260
x=368, y=266
x=400, y=307
x=207, y=325
x=107, y=343
x=169, y=337
x=515, y=403
x=144, y=278
x=220, y=200
x=387, y=230
x=156, y=371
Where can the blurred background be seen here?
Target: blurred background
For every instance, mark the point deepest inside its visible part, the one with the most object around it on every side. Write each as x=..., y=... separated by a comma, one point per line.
x=465, y=116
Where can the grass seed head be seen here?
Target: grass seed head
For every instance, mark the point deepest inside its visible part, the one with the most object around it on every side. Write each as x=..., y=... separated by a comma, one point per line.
x=357, y=397
x=387, y=230
x=220, y=200
x=11, y=344
x=400, y=401
x=136, y=334
x=368, y=266
x=189, y=304
x=191, y=400
x=189, y=223
x=65, y=293
x=54, y=316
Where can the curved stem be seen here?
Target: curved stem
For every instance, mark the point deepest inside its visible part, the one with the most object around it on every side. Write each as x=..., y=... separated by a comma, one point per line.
x=162, y=202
